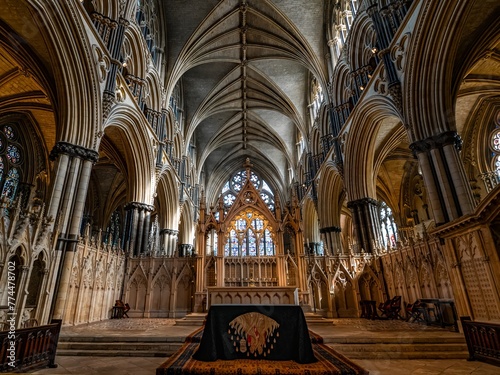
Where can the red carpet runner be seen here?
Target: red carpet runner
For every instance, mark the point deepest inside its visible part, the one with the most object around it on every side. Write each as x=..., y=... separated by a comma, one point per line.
x=329, y=362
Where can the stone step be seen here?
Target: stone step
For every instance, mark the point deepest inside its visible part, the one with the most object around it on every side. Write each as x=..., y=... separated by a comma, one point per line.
x=113, y=353
x=126, y=347
x=193, y=319
x=395, y=340
x=403, y=351
x=405, y=355
x=317, y=319
x=401, y=348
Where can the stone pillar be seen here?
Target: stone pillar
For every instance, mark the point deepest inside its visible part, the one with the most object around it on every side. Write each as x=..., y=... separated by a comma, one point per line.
x=449, y=191
x=114, y=45
x=74, y=164
x=332, y=239
x=137, y=228
x=366, y=223
x=169, y=239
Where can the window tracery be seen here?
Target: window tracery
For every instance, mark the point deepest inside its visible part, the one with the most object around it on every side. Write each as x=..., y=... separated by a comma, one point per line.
x=495, y=147
x=250, y=234
x=234, y=185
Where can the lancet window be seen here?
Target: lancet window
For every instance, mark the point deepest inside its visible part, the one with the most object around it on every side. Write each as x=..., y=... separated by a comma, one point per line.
x=388, y=226
x=11, y=159
x=495, y=146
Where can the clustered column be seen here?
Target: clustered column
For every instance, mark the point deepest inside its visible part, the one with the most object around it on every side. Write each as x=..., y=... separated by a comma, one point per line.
x=169, y=241
x=449, y=192
x=366, y=223
x=73, y=166
x=331, y=236
x=137, y=227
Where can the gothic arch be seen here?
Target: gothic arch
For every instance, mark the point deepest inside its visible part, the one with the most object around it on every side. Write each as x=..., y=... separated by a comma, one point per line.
x=127, y=129
x=77, y=86
x=330, y=191
x=360, y=155
x=167, y=192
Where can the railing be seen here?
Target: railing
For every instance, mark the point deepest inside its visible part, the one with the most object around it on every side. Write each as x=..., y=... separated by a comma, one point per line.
x=483, y=340
x=29, y=348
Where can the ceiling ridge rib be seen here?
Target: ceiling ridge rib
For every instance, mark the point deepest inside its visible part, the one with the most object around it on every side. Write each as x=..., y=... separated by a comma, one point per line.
x=243, y=54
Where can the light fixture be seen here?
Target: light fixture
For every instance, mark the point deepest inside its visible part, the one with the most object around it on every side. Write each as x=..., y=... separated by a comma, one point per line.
x=361, y=88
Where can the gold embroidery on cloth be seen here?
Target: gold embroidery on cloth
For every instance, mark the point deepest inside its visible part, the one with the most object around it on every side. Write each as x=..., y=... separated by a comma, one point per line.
x=256, y=331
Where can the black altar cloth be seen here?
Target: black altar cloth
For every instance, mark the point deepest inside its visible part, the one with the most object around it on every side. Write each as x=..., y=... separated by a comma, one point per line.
x=272, y=332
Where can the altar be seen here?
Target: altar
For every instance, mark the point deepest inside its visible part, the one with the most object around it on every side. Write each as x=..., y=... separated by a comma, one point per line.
x=272, y=332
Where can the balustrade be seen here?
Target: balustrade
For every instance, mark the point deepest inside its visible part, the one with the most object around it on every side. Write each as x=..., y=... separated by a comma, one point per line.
x=33, y=347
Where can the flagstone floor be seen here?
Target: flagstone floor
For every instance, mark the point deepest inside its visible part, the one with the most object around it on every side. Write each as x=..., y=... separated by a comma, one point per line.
x=161, y=327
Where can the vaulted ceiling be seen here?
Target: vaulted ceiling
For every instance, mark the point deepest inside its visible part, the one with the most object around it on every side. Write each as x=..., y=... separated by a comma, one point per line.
x=245, y=68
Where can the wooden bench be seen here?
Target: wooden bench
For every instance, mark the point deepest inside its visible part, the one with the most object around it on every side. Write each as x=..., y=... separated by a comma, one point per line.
x=29, y=348
x=483, y=340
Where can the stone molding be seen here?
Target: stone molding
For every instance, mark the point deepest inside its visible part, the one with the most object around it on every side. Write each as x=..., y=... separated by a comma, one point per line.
x=362, y=202
x=437, y=141
x=139, y=206
x=170, y=232
x=73, y=151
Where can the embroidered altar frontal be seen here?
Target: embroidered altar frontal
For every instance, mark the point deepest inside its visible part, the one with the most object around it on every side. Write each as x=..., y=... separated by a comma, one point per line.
x=329, y=362
x=274, y=332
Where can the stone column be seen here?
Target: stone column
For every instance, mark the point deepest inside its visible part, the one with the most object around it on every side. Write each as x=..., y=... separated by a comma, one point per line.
x=68, y=200
x=449, y=191
x=332, y=239
x=137, y=227
x=169, y=239
x=366, y=222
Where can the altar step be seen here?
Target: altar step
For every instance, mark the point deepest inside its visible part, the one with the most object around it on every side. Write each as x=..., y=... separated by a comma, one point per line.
x=316, y=319
x=118, y=346
x=192, y=319
x=396, y=348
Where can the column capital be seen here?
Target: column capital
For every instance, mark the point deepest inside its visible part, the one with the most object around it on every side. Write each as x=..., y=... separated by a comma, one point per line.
x=139, y=206
x=362, y=202
x=169, y=232
x=437, y=141
x=331, y=229
x=73, y=151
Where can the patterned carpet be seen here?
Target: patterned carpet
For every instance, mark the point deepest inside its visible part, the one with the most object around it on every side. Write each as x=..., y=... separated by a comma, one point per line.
x=329, y=362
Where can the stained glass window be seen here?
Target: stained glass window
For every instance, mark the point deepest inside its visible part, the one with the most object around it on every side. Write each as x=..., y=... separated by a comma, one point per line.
x=388, y=226
x=250, y=235
x=11, y=183
x=495, y=147
x=9, y=132
x=113, y=229
x=234, y=185
x=11, y=157
x=495, y=141
x=496, y=164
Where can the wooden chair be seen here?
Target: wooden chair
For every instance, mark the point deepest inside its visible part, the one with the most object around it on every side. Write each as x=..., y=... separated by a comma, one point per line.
x=126, y=309
x=391, y=308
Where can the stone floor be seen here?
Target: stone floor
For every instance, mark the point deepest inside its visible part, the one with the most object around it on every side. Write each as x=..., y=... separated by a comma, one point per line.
x=341, y=328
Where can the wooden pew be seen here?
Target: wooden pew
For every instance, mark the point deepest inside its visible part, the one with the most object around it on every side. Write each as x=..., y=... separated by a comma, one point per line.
x=29, y=348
